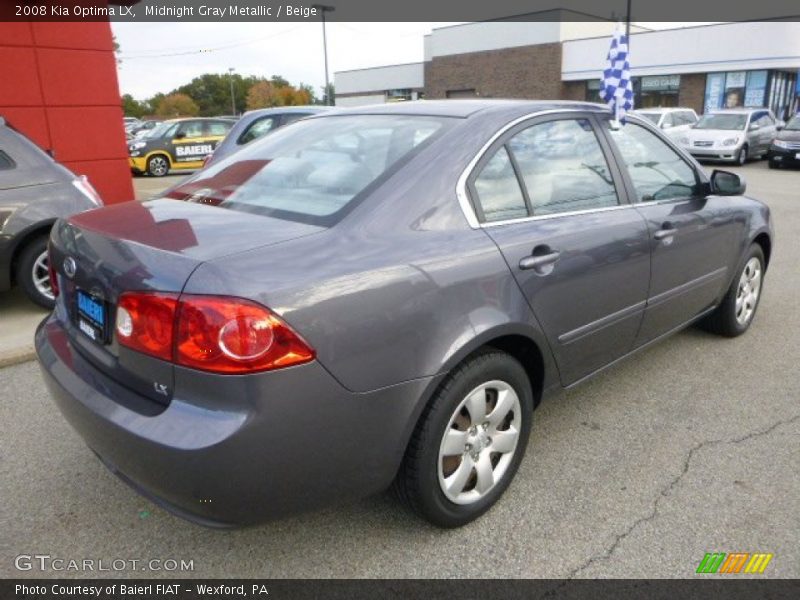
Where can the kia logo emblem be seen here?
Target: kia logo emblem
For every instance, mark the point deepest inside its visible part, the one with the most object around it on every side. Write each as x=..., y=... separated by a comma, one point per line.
x=70, y=267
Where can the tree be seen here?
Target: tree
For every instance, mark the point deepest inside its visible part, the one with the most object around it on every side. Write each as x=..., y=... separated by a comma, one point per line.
x=279, y=81
x=261, y=95
x=131, y=107
x=177, y=105
x=309, y=90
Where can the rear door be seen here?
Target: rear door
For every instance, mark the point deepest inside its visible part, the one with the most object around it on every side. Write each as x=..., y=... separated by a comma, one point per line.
x=692, y=233
x=554, y=204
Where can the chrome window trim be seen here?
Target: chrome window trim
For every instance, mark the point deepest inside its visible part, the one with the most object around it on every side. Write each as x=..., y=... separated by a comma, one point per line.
x=461, y=185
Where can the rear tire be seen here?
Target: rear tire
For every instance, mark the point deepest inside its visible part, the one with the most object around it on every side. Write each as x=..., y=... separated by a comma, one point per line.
x=32, y=273
x=158, y=165
x=450, y=486
x=773, y=165
x=738, y=308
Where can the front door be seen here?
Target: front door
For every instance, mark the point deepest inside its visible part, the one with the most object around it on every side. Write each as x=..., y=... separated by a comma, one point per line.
x=556, y=208
x=692, y=234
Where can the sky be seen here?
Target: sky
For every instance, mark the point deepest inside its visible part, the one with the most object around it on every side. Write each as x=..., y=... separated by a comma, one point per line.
x=158, y=57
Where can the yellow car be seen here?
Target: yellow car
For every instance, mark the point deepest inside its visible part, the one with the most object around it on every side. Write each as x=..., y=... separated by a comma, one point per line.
x=177, y=144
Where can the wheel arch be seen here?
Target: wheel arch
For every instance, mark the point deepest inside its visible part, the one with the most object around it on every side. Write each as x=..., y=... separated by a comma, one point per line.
x=763, y=239
x=42, y=228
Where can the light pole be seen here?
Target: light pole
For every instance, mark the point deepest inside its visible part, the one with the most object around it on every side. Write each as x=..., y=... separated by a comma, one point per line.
x=323, y=8
x=233, y=100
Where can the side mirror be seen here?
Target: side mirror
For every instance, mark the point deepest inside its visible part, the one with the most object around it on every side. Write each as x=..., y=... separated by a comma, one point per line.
x=180, y=135
x=780, y=125
x=725, y=183
x=754, y=127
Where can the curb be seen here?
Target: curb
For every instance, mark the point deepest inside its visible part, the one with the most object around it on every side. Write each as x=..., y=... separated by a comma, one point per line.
x=16, y=357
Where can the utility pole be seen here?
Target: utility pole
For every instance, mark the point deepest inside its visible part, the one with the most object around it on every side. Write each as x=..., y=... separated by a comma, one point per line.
x=323, y=8
x=233, y=99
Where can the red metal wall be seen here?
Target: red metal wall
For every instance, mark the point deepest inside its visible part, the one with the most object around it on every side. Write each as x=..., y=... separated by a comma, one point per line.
x=58, y=85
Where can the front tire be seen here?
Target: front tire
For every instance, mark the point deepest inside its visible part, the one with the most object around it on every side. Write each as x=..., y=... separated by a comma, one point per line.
x=158, y=165
x=741, y=158
x=469, y=441
x=736, y=311
x=32, y=273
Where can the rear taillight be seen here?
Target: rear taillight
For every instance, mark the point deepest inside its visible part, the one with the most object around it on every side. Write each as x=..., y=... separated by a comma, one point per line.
x=51, y=270
x=87, y=189
x=210, y=333
x=146, y=322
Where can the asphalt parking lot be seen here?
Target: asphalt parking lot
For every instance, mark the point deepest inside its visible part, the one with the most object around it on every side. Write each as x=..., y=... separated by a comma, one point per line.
x=690, y=447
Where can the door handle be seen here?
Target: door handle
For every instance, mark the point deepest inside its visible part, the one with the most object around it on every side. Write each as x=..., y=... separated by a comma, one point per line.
x=665, y=232
x=537, y=261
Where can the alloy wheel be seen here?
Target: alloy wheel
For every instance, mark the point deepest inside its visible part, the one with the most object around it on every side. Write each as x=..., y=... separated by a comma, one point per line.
x=748, y=290
x=40, y=275
x=158, y=166
x=479, y=442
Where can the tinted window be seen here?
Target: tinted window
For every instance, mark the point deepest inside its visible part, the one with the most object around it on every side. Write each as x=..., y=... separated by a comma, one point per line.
x=217, y=127
x=5, y=161
x=313, y=171
x=256, y=129
x=497, y=187
x=563, y=167
x=656, y=170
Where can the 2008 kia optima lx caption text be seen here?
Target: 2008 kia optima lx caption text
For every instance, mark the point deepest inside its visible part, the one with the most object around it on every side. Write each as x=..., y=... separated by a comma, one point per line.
x=380, y=296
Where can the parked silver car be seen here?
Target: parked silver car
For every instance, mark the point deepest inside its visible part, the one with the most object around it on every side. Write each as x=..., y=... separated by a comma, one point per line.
x=34, y=191
x=733, y=134
x=675, y=121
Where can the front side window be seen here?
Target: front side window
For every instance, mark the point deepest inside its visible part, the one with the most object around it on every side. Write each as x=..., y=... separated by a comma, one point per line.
x=563, y=167
x=257, y=129
x=656, y=170
x=314, y=171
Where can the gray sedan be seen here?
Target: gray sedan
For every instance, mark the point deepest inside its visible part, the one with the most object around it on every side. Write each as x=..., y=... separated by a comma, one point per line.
x=380, y=297
x=34, y=192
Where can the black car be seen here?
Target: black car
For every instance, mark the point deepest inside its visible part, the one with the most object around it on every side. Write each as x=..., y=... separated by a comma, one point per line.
x=785, y=149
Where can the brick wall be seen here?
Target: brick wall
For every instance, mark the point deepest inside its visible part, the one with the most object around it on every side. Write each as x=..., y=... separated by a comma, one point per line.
x=525, y=72
x=692, y=90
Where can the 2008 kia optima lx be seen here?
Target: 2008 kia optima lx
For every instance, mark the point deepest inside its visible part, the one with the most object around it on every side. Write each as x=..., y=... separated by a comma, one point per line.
x=380, y=296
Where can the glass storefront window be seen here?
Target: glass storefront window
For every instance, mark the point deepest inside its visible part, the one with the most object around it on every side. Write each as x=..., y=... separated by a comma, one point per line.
x=756, y=87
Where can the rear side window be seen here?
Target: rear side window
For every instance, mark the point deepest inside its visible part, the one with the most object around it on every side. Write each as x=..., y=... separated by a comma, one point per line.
x=314, y=171
x=6, y=162
x=498, y=191
x=563, y=167
x=257, y=129
x=218, y=127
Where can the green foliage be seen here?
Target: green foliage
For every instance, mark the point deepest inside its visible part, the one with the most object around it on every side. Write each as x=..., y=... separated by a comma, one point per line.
x=210, y=95
x=177, y=105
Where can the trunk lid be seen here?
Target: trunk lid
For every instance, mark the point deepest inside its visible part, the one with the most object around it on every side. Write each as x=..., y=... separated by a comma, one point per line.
x=152, y=246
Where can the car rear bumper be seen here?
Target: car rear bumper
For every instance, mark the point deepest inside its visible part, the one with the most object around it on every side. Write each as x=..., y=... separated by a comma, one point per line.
x=308, y=443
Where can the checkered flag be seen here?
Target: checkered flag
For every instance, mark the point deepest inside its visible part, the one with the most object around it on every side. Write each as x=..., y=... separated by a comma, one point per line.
x=616, y=88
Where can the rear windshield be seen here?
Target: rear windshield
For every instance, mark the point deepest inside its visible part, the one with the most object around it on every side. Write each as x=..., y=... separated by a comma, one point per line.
x=314, y=171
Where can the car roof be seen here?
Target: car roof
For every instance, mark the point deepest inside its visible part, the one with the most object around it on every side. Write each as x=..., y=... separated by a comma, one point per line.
x=181, y=119
x=468, y=108
x=280, y=110
x=738, y=110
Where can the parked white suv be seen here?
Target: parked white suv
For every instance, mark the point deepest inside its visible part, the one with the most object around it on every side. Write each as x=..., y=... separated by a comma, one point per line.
x=674, y=121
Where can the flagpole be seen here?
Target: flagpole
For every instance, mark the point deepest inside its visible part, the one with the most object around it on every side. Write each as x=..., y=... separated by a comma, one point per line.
x=628, y=24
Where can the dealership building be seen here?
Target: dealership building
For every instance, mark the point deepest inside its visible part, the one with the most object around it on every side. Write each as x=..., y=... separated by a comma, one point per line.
x=701, y=67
